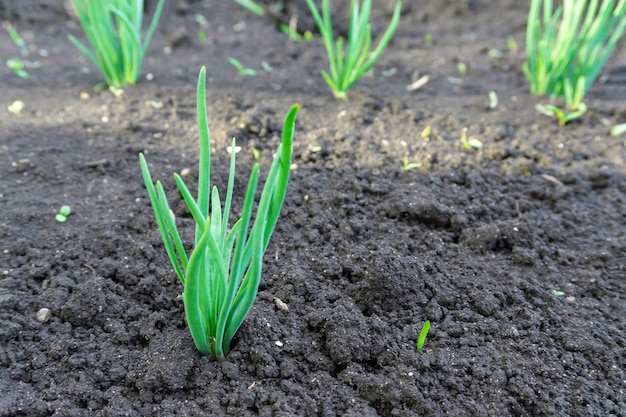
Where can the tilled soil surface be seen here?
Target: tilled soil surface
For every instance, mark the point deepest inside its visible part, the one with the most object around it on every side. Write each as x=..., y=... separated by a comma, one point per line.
x=515, y=251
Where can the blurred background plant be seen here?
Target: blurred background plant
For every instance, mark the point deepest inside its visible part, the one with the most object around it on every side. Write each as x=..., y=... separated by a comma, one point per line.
x=18, y=64
x=347, y=64
x=113, y=28
x=568, y=46
x=276, y=12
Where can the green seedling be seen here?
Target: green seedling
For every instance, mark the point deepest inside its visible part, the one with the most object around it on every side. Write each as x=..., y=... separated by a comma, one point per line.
x=619, y=129
x=407, y=166
x=16, y=64
x=563, y=116
x=428, y=39
x=266, y=66
x=462, y=68
x=389, y=73
x=221, y=276
x=242, y=70
x=16, y=37
x=19, y=66
x=63, y=214
x=568, y=47
x=349, y=64
x=292, y=31
x=426, y=132
x=113, y=28
x=422, y=336
x=202, y=22
x=493, y=99
x=558, y=293
x=471, y=142
x=512, y=44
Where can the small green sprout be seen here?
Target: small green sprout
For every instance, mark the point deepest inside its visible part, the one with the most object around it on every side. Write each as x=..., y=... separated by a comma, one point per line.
x=221, y=276
x=493, y=99
x=462, y=68
x=618, y=129
x=113, y=28
x=563, y=116
x=293, y=34
x=389, y=73
x=349, y=64
x=558, y=293
x=200, y=19
x=266, y=66
x=510, y=41
x=19, y=65
x=242, y=70
x=471, y=142
x=16, y=37
x=410, y=165
x=428, y=39
x=415, y=75
x=568, y=47
x=426, y=132
x=63, y=214
x=422, y=336
x=202, y=22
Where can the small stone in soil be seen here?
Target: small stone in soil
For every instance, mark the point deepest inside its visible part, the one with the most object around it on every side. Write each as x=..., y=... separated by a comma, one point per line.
x=43, y=315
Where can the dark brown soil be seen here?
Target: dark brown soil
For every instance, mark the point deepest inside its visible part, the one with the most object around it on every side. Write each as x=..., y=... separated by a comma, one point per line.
x=515, y=252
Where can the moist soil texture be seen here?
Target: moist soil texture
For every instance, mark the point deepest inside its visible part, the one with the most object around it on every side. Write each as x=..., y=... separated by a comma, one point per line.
x=514, y=251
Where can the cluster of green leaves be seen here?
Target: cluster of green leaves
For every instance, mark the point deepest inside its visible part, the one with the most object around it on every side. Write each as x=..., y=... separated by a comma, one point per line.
x=349, y=64
x=221, y=276
x=568, y=47
x=113, y=28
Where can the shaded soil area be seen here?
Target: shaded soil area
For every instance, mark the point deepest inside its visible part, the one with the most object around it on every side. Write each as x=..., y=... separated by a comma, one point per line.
x=515, y=251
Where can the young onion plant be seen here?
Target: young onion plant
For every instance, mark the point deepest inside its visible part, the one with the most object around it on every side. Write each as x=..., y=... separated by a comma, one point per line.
x=113, y=28
x=221, y=276
x=349, y=64
x=568, y=47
